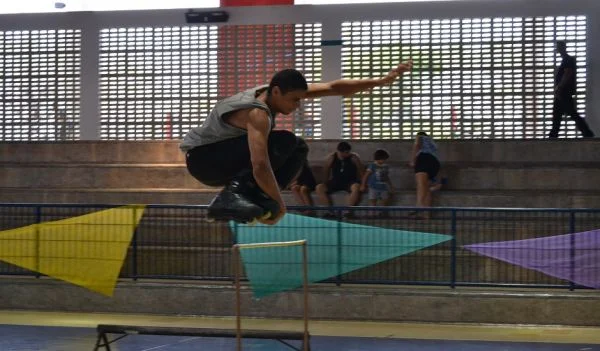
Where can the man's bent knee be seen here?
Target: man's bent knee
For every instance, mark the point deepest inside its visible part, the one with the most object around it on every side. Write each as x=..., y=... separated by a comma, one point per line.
x=283, y=138
x=321, y=188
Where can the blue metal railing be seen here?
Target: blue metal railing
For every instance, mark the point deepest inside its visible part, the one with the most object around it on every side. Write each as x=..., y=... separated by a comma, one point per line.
x=176, y=242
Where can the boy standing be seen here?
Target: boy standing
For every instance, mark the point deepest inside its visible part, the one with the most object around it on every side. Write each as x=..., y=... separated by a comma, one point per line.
x=378, y=180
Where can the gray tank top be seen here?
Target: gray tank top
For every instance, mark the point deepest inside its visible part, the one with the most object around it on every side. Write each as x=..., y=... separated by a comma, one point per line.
x=214, y=129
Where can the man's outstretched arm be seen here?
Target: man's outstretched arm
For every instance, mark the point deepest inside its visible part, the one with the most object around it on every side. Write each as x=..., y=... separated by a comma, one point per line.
x=345, y=87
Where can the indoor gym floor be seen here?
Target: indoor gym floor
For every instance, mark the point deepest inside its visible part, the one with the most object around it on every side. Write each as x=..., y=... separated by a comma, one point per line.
x=50, y=331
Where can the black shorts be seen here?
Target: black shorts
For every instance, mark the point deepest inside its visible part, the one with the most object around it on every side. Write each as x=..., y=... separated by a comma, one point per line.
x=306, y=178
x=335, y=186
x=427, y=163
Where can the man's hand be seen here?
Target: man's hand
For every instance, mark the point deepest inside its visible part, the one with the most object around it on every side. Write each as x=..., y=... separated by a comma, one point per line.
x=397, y=72
x=274, y=220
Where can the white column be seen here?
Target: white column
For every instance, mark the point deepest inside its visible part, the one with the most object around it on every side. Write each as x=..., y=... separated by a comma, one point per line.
x=89, y=122
x=332, y=70
x=593, y=72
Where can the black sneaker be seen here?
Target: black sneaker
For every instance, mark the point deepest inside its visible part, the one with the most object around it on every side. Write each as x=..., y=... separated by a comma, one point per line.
x=259, y=197
x=232, y=204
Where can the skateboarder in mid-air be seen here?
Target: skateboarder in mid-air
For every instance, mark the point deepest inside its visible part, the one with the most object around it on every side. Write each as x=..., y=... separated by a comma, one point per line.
x=236, y=146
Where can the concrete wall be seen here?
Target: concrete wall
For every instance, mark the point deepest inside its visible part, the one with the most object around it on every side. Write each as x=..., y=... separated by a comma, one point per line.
x=421, y=304
x=331, y=16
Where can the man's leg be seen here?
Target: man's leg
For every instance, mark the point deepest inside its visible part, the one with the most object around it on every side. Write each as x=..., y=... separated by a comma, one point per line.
x=297, y=191
x=323, y=193
x=206, y=164
x=288, y=156
x=386, y=198
x=306, y=197
x=571, y=110
x=354, y=197
x=557, y=112
x=241, y=195
x=325, y=190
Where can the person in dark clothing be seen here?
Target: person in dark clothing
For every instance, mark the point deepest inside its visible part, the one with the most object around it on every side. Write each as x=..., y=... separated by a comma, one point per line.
x=303, y=186
x=343, y=172
x=426, y=163
x=564, y=89
x=236, y=146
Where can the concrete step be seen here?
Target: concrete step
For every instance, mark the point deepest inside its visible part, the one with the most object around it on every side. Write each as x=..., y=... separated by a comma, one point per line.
x=526, y=178
x=516, y=306
x=99, y=176
x=499, y=176
x=172, y=176
x=532, y=151
x=423, y=266
x=444, y=198
x=92, y=152
x=429, y=265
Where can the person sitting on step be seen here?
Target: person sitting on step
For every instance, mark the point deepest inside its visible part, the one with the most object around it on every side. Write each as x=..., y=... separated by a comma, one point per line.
x=343, y=172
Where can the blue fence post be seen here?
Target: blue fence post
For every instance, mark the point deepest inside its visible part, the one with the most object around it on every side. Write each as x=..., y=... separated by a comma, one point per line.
x=134, y=246
x=453, y=250
x=233, y=260
x=572, y=250
x=38, y=220
x=234, y=237
x=338, y=277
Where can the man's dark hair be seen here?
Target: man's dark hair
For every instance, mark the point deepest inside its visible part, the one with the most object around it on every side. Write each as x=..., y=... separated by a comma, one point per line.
x=288, y=80
x=343, y=147
x=561, y=43
x=381, y=154
x=422, y=133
